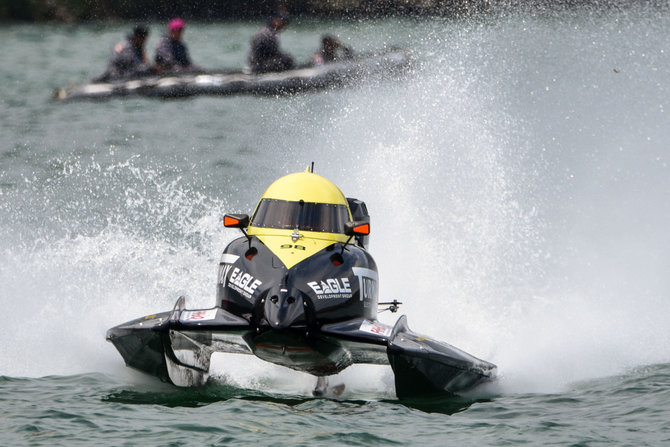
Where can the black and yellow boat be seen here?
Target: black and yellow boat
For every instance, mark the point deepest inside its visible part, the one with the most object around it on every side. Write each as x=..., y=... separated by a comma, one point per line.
x=298, y=289
x=225, y=83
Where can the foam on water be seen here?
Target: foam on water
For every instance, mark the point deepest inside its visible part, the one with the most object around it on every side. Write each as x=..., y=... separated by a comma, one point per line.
x=518, y=190
x=91, y=249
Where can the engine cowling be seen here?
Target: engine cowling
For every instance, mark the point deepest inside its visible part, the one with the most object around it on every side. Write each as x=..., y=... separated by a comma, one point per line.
x=331, y=285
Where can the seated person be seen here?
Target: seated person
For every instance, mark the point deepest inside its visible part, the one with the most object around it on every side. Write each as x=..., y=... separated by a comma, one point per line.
x=331, y=51
x=128, y=60
x=171, y=52
x=265, y=54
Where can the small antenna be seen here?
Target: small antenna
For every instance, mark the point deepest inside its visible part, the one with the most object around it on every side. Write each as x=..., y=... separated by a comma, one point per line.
x=312, y=168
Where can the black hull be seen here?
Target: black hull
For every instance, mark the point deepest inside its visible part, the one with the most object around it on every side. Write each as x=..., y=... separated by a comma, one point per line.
x=176, y=347
x=235, y=83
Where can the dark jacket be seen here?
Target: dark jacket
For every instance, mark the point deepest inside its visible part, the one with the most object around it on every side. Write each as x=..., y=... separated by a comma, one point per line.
x=172, y=55
x=265, y=53
x=127, y=61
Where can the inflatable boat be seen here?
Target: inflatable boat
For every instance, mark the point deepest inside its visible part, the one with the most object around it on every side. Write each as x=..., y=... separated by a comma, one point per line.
x=333, y=74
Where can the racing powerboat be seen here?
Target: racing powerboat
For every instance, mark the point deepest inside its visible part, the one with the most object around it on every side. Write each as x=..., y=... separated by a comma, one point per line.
x=297, y=289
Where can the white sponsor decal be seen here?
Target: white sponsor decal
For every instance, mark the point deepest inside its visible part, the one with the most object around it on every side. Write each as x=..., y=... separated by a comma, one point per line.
x=243, y=283
x=331, y=288
x=376, y=328
x=227, y=258
x=198, y=315
x=227, y=261
x=367, y=282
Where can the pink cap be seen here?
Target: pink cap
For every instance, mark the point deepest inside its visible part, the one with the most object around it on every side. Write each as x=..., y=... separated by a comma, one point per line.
x=176, y=24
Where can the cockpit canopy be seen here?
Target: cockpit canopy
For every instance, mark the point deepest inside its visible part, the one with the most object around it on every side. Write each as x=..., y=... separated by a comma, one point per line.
x=303, y=207
x=301, y=215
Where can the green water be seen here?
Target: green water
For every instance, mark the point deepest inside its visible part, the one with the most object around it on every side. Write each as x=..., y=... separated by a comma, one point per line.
x=94, y=409
x=517, y=181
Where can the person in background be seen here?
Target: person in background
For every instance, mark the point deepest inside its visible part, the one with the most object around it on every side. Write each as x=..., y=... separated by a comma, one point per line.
x=129, y=59
x=331, y=50
x=265, y=55
x=171, y=52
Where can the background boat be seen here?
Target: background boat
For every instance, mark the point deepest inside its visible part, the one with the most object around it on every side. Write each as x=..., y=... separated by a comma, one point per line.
x=335, y=74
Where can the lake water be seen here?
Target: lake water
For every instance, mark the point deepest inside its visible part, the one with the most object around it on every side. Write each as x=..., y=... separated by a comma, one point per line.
x=519, y=189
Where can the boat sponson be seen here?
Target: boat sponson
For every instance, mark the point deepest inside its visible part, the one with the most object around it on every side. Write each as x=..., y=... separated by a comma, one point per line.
x=423, y=366
x=141, y=345
x=176, y=347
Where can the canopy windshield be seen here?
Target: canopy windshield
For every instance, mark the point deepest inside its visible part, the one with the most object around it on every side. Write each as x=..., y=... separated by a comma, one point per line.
x=306, y=216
